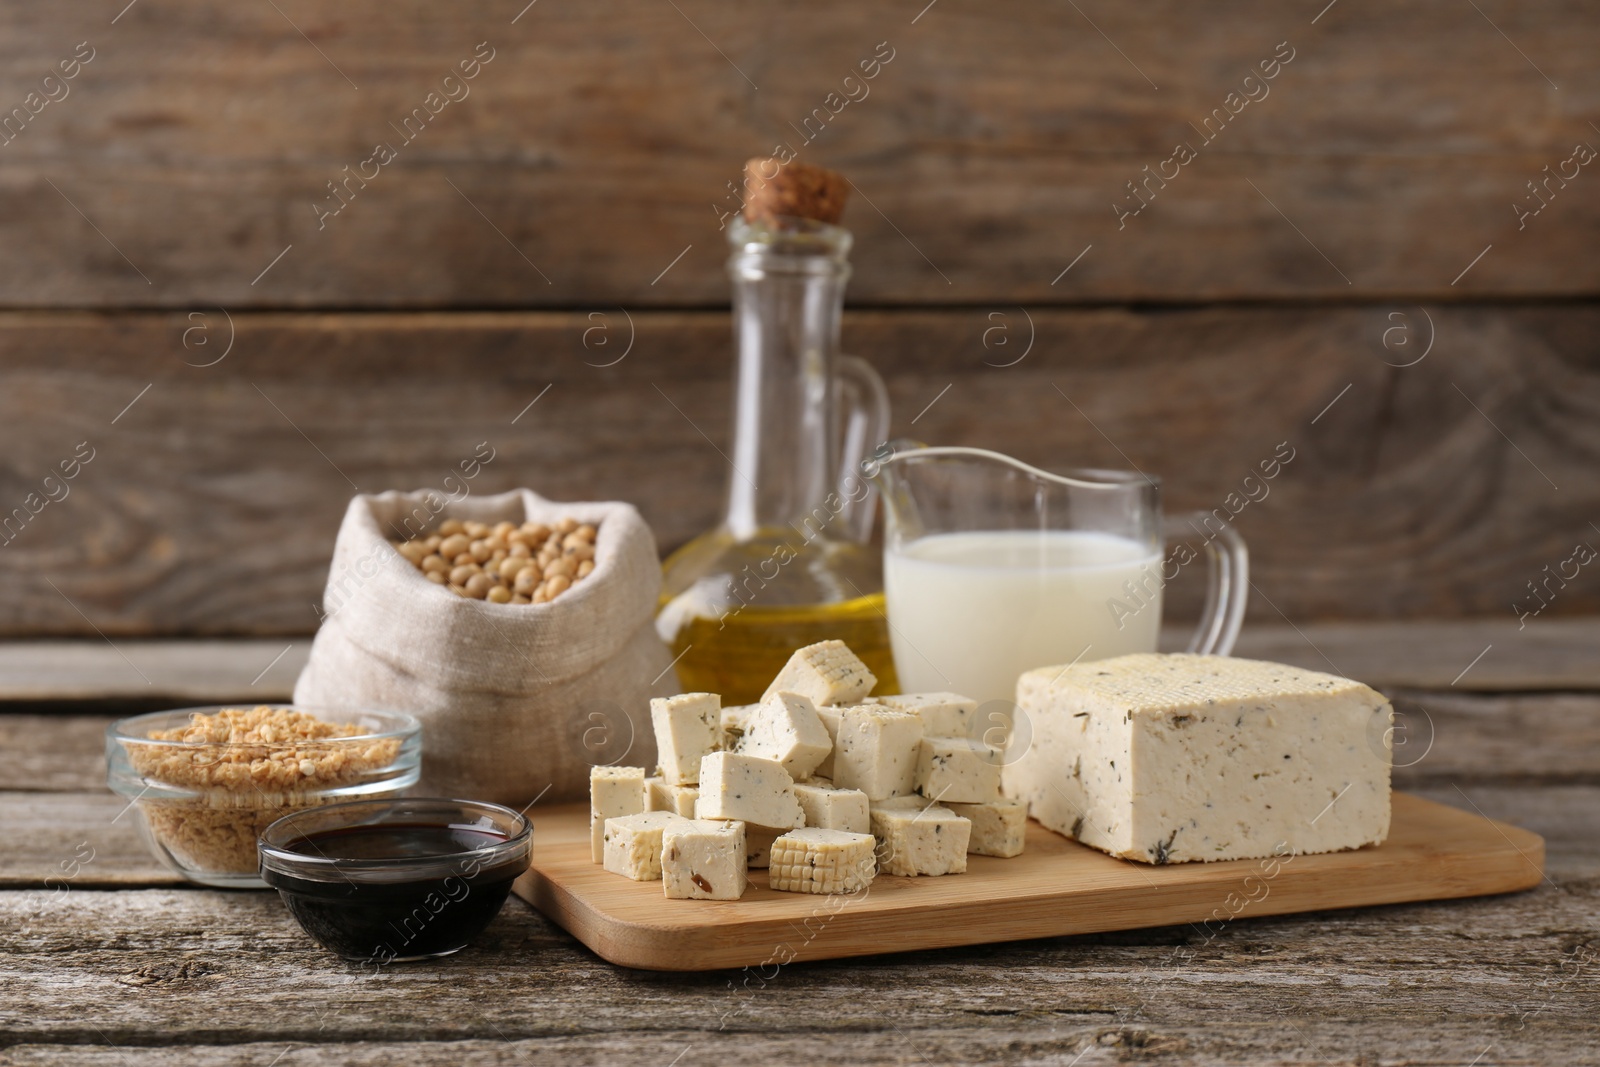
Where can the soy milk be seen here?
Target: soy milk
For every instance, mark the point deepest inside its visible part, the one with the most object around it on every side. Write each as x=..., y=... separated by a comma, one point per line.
x=969, y=612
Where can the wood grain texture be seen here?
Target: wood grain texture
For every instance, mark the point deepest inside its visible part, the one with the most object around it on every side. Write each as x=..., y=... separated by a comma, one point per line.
x=1564, y=815
x=50, y=753
x=64, y=842
x=178, y=671
x=599, y=141
x=205, y=968
x=212, y=501
x=1489, y=654
x=1503, y=739
x=1048, y=1038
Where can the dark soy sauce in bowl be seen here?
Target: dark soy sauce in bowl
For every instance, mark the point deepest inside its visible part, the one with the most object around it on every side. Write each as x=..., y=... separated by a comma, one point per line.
x=390, y=881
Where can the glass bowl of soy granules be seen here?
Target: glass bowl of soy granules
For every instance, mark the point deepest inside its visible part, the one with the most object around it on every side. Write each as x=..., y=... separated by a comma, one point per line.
x=207, y=781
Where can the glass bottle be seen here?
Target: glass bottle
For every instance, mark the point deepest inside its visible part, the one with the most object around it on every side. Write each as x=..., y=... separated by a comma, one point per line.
x=790, y=564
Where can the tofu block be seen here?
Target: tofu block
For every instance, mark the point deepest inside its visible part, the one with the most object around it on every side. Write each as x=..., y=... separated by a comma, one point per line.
x=957, y=769
x=827, y=672
x=831, y=808
x=815, y=860
x=758, y=843
x=785, y=728
x=877, y=751
x=659, y=796
x=999, y=827
x=687, y=727
x=703, y=860
x=943, y=714
x=633, y=843
x=736, y=786
x=911, y=840
x=830, y=717
x=613, y=791
x=733, y=722
x=1179, y=758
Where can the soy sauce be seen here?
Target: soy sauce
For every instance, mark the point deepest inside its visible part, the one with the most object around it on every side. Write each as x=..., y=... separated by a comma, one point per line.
x=447, y=899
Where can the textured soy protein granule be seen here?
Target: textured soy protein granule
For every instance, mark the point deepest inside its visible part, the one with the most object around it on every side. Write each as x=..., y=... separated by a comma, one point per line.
x=245, y=769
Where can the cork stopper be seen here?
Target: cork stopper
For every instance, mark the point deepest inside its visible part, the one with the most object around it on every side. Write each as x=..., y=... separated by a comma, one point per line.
x=798, y=190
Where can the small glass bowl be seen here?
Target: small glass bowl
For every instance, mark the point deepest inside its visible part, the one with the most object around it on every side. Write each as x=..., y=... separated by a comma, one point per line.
x=203, y=803
x=391, y=881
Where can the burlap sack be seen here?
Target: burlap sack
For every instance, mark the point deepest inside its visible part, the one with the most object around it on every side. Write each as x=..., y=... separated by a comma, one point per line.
x=513, y=698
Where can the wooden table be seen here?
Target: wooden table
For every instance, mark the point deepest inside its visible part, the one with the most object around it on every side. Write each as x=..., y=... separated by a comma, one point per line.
x=107, y=959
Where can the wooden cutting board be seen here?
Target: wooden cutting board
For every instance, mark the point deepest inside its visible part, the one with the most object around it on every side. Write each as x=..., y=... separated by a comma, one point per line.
x=1055, y=887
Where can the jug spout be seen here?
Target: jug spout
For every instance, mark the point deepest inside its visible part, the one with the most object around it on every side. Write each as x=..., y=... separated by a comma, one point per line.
x=939, y=489
x=886, y=470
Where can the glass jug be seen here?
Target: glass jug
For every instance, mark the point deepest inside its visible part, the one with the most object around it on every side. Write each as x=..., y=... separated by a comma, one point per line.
x=993, y=567
x=790, y=564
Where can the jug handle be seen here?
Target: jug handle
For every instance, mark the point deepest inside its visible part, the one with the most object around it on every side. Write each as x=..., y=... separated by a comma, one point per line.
x=1227, y=587
x=864, y=421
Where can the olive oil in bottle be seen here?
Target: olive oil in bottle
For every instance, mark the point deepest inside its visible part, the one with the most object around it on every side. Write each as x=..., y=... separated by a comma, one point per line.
x=791, y=563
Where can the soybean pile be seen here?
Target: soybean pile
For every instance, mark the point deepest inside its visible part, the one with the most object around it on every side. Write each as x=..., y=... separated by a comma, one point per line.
x=505, y=563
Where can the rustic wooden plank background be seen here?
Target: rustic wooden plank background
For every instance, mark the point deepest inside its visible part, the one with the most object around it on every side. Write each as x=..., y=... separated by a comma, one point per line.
x=159, y=214
x=211, y=503
x=988, y=151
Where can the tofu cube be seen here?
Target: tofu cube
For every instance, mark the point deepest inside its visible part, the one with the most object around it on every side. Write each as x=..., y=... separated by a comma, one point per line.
x=827, y=672
x=633, y=843
x=943, y=714
x=687, y=727
x=659, y=796
x=613, y=791
x=814, y=860
x=1178, y=758
x=958, y=769
x=830, y=717
x=785, y=728
x=831, y=808
x=877, y=751
x=736, y=786
x=999, y=827
x=912, y=841
x=703, y=860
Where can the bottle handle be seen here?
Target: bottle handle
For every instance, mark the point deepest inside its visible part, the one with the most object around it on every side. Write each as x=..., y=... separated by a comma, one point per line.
x=1227, y=584
x=864, y=420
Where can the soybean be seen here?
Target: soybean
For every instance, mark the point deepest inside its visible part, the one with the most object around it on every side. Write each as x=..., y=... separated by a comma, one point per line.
x=507, y=563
